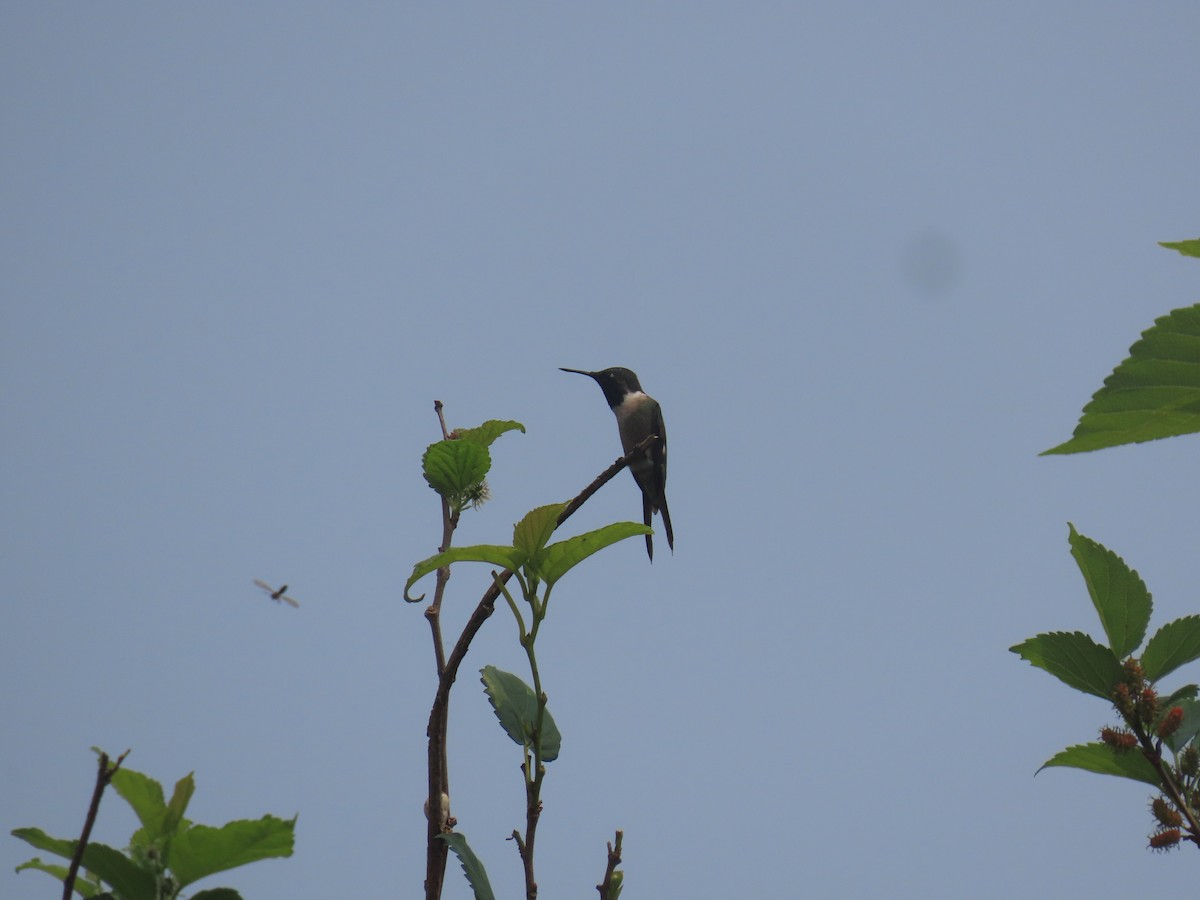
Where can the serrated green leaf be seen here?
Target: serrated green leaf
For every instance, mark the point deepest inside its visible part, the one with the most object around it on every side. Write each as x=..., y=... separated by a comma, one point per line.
x=453, y=467
x=472, y=867
x=201, y=850
x=504, y=557
x=1154, y=393
x=487, y=433
x=532, y=532
x=1075, y=659
x=1175, y=644
x=558, y=559
x=1117, y=592
x=515, y=705
x=145, y=795
x=1187, y=248
x=1104, y=760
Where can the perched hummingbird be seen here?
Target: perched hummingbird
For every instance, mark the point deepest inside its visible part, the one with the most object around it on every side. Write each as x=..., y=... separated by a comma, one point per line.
x=639, y=416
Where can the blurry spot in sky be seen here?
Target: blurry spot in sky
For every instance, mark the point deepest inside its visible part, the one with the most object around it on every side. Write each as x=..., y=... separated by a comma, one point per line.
x=930, y=264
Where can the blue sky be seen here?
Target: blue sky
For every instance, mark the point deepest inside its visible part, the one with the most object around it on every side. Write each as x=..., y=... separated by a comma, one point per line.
x=871, y=260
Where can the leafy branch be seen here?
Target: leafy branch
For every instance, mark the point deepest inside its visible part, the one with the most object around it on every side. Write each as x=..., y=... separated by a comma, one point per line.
x=1134, y=750
x=456, y=468
x=166, y=854
x=1154, y=393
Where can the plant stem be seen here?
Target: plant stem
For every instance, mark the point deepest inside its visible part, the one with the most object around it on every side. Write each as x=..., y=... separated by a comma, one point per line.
x=614, y=860
x=533, y=781
x=103, y=777
x=437, y=851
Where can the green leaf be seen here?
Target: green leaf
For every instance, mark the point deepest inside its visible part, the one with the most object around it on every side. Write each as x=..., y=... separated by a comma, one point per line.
x=1175, y=644
x=560, y=558
x=504, y=557
x=1187, y=692
x=486, y=433
x=516, y=707
x=532, y=532
x=112, y=866
x=1075, y=659
x=83, y=887
x=42, y=841
x=472, y=867
x=1104, y=760
x=1187, y=248
x=117, y=870
x=173, y=814
x=1119, y=595
x=145, y=795
x=200, y=850
x=453, y=467
x=59, y=872
x=1155, y=393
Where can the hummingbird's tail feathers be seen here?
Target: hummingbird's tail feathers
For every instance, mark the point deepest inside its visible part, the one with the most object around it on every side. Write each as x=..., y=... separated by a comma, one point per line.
x=662, y=508
x=647, y=512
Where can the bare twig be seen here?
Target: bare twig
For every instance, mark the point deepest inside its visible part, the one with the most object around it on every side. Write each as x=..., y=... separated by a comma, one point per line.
x=103, y=776
x=437, y=408
x=614, y=860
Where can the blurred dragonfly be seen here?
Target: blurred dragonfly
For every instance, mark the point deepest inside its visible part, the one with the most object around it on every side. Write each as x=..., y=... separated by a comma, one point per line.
x=276, y=595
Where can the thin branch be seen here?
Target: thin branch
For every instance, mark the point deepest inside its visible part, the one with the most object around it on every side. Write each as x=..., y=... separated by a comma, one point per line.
x=606, y=476
x=533, y=812
x=614, y=860
x=103, y=776
x=437, y=408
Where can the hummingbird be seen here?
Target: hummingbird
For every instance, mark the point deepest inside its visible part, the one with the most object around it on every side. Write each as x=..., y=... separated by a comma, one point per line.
x=639, y=416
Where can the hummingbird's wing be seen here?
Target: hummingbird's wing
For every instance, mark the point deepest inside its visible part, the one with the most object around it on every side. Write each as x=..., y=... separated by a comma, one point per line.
x=266, y=587
x=658, y=453
x=647, y=512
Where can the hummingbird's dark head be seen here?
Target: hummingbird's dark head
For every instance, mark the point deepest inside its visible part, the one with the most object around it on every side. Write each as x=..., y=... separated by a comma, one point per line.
x=615, y=382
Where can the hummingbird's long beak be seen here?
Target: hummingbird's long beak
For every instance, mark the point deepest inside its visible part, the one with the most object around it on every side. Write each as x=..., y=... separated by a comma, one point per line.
x=578, y=372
